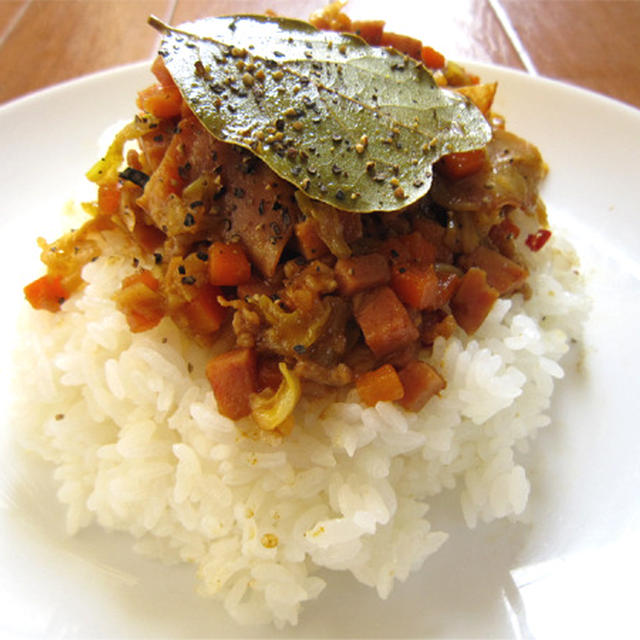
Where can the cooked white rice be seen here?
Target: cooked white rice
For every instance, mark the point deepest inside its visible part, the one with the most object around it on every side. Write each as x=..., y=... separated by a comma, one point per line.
x=130, y=423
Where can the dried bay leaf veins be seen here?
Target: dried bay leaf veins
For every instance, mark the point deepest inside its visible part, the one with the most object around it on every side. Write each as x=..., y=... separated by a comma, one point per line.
x=355, y=126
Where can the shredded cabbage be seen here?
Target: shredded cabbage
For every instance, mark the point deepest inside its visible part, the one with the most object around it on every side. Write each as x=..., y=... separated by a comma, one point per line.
x=272, y=411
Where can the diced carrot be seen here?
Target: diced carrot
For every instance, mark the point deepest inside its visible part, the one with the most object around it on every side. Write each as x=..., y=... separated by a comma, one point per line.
x=309, y=242
x=228, y=264
x=384, y=321
x=369, y=30
x=402, y=43
x=47, y=293
x=431, y=58
x=416, y=285
x=204, y=313
x=358, y=273
x=503, y=274
x=141, y=301
x=233, y=378
x=109, y=198
x=380, y=385
x=420, y=249
x=420, y=382
x=473, y=300
x=463, y=164
x=160, y=101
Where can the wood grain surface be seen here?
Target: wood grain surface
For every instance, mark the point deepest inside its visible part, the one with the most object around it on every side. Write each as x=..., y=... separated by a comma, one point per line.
x=593, y=44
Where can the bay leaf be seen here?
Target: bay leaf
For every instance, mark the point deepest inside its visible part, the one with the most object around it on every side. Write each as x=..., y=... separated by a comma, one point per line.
x=354, y=126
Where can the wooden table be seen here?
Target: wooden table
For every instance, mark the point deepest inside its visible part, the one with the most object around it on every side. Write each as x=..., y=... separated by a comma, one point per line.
x=594, y=44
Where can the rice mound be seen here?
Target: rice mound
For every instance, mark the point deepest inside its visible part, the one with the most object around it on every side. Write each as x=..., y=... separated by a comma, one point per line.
x=130, y=424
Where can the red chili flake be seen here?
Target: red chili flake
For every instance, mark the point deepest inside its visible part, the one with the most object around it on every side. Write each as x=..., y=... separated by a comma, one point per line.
x=535, y=241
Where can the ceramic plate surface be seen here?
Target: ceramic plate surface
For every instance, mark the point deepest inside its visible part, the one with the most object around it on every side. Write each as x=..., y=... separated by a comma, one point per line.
x=570, y=571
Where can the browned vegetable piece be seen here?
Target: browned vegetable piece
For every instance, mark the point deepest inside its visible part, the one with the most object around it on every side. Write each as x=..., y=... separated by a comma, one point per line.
x=233, y=377
x=384, y=321
x=503, y=274
x=420, y=382
x=361, y=272
x=473, y=300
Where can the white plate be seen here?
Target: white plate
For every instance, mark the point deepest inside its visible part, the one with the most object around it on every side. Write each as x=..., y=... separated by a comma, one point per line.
x=571, y=572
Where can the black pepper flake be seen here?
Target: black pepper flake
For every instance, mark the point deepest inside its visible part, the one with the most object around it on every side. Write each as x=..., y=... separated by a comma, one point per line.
x=189, y=220
x=183, y=171
x=158, y=138
x=339, y=194
x=402, y=269
x=238, y=192
x=182, y=270
x=195, y=204
x=136, y=262
x=130, y=174
x=202, y=255
x=280, y=124
x=157, y=257
x=299, y=348
x=188, y=280
x=261, y=207
x=336, y=170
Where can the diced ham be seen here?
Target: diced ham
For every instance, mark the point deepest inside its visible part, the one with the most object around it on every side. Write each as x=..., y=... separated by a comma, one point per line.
x=473, y=300
x=233, y=377
x=361, y=272
x=420, y=382
x=259, y=207
x=503, y=274
x=416, y=285
x=384, y=321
